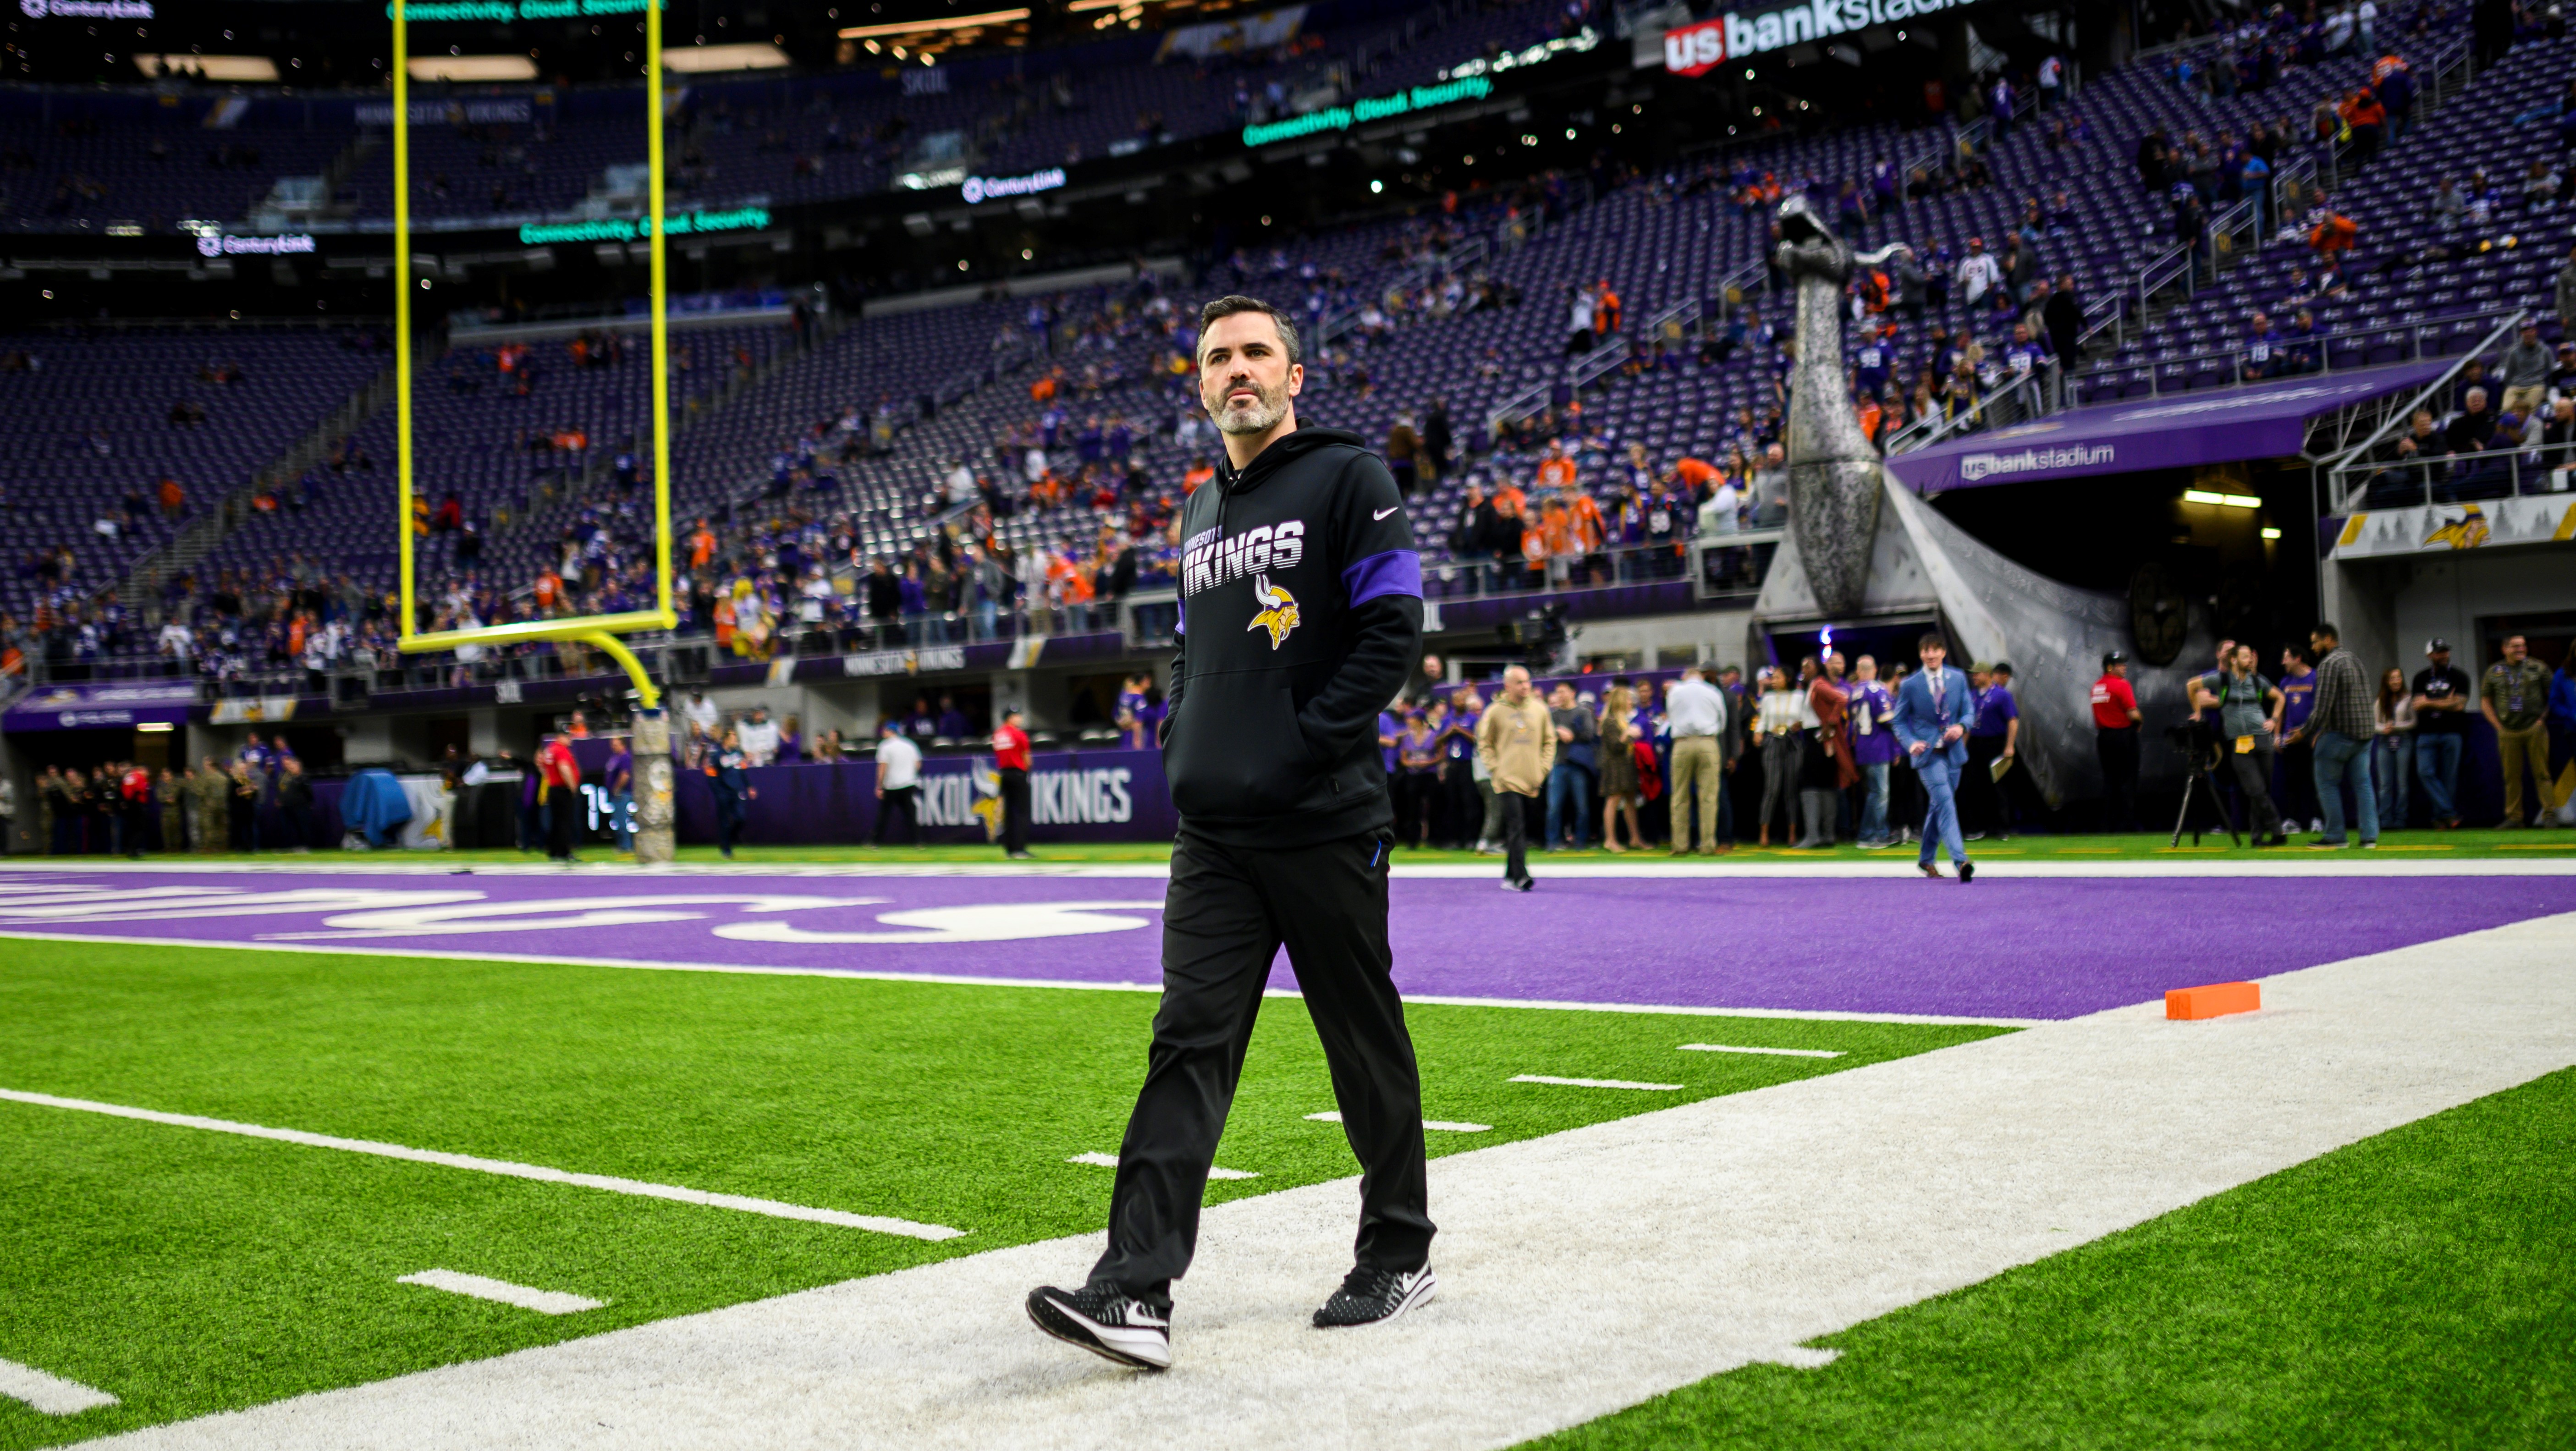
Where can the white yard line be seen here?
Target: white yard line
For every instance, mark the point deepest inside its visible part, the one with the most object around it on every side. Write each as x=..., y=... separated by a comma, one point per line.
x=1436, y=1125
x=1668, y=1246
x=504, y=1167
x=50, y=1395
x=544, y=1302
x=1775, y=1052
x=1110, y=1161
x=2393, y=863
x=1597, y=1083
x=536, y=959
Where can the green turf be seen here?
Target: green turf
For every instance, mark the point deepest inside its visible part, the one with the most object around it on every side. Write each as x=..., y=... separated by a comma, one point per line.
x=2497, y=845
x=2410, y=1290
x=187, y=1272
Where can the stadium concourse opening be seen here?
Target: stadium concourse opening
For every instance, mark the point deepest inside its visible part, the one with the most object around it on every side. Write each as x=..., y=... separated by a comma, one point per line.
x=333, y=976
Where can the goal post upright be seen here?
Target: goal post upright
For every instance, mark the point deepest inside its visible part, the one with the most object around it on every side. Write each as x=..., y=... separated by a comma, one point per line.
x=661, y=315
x=598, y=631
x=403, y=289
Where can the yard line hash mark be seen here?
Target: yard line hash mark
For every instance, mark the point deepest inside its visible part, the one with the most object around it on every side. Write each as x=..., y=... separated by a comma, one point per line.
x=51, y=1395
x=1110, y=1161
x=1782, y=1052
x=1596, y=1083
x=544, y=1302
x=539, y=1172
x=1437, y=1125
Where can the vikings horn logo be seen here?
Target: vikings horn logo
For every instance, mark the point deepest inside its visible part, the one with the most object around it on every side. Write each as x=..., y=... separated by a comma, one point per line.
x=1278, y=610
x=987, y=781
x=2466, y=532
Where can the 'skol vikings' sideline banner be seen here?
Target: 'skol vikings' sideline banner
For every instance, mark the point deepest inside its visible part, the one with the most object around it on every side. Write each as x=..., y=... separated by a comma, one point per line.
x=1073, y=796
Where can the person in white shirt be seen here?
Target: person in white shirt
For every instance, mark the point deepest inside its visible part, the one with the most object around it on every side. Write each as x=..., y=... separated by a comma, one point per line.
x=1578, y=325
x=1719, y=514
x=759, y=737
x=176, y=642
x=1783, y=715
x=1978, y=272
x=1695, y=713
x=898, y=782
x=701, y=714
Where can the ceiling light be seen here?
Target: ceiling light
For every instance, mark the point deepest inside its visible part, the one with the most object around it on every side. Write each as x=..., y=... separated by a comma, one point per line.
x=917, y=27
x=473, y=68
x=754, y=56
x=253, y=69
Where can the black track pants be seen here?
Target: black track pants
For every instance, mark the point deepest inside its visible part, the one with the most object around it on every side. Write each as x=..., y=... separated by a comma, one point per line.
x=1225, y=917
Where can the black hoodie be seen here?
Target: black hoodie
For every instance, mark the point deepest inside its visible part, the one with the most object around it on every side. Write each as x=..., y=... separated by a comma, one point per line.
x=1301, y=613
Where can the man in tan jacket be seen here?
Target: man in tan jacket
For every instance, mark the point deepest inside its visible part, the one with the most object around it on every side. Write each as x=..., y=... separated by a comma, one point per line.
x=1516, y=744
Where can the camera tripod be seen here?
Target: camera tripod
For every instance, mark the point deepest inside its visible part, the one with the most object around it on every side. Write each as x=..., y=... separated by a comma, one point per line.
x=2198, y=781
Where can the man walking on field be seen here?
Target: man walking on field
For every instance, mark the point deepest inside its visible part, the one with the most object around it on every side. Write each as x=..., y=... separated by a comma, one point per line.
x=1301, y=599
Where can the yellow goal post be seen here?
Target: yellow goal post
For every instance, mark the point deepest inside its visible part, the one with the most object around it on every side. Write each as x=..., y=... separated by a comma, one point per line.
x=598, y=631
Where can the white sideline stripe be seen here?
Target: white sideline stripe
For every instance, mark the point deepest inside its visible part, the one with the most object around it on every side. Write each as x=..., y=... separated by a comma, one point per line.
x=1778, y=1052
x=1110, y=1161
x=544, y=1302
x=939, y=979
x=2340, y=864
x=1597, y=1083
x=1746, y=1225
x=51, y=1395
x=1436, y=1125
x=503, y=1167
x=1801, y=1357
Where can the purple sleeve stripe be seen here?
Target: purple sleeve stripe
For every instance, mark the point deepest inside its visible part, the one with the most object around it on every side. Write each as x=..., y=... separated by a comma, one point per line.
x=1181, y=618
x=1396, y=572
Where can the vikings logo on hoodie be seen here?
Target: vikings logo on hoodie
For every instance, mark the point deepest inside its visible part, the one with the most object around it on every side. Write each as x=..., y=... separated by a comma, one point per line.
x=1278, y=612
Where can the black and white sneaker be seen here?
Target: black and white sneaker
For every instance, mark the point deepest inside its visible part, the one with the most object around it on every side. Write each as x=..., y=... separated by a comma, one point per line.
x=1108, y=1324
x=1372, y=1297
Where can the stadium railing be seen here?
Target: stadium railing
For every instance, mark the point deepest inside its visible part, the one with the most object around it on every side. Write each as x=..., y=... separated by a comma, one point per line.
x=2340, y=351
x=2372, y=475
x=2018, y=398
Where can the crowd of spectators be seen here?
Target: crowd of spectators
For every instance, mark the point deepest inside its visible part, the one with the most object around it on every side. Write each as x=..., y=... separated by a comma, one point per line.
x=2488, y=435
x=1799, y=758
x=2321, y=736
x=261, y=799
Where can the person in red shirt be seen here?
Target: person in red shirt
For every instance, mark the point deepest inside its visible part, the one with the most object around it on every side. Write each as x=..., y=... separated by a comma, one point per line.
x=1011, y=756
x=2115, y=741
x=136, y=788
x=559, y=785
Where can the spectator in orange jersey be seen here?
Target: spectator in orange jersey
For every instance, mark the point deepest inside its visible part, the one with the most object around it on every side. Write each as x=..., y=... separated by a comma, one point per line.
x=1555, y=471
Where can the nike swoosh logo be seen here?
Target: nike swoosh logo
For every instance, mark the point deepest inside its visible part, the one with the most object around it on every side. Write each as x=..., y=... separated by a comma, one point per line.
x=1382, y=513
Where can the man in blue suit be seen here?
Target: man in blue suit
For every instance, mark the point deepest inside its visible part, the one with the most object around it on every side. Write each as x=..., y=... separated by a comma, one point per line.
x=1934, y=708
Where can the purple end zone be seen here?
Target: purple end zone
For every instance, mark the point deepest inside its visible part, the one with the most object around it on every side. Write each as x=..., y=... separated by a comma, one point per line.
x=2009, y=947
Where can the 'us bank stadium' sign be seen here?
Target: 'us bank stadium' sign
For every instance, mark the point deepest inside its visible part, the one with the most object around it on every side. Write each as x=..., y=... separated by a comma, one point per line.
x=1691, y=50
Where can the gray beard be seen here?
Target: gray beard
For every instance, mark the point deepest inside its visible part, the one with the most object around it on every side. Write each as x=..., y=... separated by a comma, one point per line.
x=1258, y=419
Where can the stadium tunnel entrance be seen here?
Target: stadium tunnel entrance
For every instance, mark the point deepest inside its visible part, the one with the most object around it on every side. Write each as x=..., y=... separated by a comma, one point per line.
x=2153, y=526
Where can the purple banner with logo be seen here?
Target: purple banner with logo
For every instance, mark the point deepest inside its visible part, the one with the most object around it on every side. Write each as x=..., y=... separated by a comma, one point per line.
x=107, y=704
x=2213, y=426
x=1073, y=796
